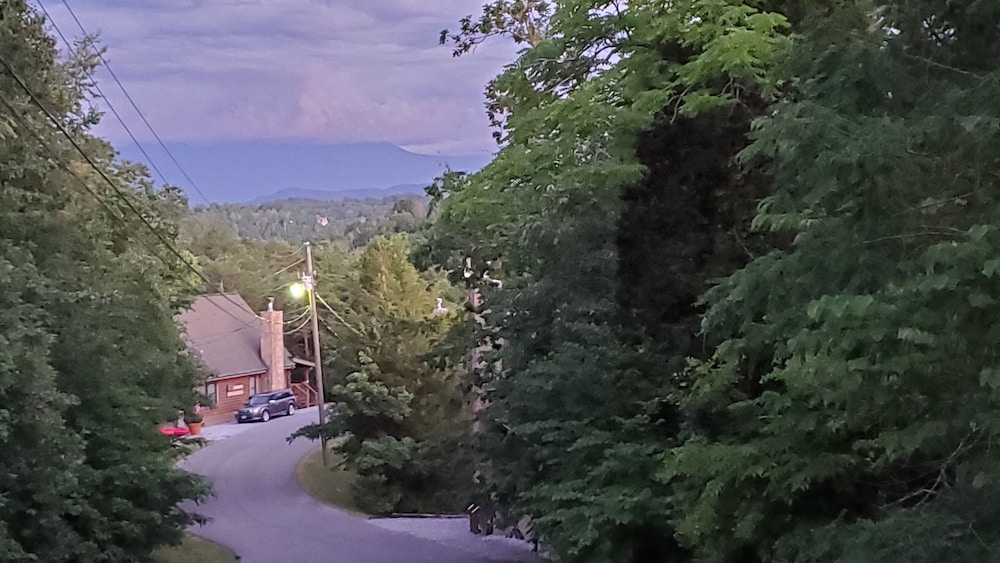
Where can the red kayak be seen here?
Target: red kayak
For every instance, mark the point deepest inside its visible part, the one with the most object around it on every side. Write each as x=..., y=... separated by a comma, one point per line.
x=175, y=431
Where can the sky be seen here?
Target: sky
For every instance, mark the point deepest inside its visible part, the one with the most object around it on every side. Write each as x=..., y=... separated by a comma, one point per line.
x=322, y=72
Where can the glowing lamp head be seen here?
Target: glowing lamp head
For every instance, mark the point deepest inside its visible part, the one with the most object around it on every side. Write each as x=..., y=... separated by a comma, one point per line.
x=298, y=290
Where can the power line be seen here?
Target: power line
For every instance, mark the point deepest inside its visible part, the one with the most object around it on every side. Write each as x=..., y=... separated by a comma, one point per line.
x=23, y=121
x=122, y=196
x=300, y=327
x=136, y=108
x=304, y=314
x=114, y=111
x=111, y=212
x=291, y=254
x=289, y=267
x=338, y=316
x=121, y=121
x=218, y=336
x=280, y=287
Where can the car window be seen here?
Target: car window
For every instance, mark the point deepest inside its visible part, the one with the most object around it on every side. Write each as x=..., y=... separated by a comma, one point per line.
x=258, y=400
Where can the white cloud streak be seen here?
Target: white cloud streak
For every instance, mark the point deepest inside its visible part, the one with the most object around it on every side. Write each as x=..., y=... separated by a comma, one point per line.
x=333, y=71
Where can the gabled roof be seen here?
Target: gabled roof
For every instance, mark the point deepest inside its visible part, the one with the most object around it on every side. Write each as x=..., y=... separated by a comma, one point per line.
x=224, y=333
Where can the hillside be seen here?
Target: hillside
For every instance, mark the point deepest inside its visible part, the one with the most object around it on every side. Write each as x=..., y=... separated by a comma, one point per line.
x=331, y=195
x=250, y=172
x=300, y=220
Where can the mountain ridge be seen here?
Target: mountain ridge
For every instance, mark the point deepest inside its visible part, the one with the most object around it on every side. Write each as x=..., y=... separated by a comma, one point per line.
x=245, y=171
x=337, y=195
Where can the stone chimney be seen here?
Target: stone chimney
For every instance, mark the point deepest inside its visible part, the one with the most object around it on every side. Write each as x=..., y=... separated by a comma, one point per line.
x=272, y=349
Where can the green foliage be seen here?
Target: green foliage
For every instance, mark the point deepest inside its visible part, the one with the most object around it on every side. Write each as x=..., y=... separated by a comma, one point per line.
x=91, y=358
x=849, y=414
x=838, y=402
x=613, y=203
x=366, y=407
x=394, y=407
x=257, y=270
x=193, y=549
x=383, y=465
x=355, y=221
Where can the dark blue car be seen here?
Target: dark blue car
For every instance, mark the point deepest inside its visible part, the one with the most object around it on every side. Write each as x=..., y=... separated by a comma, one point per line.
x=263, y=406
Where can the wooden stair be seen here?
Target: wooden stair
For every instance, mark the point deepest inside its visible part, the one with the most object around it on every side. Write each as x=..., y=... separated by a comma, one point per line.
x=305, y=394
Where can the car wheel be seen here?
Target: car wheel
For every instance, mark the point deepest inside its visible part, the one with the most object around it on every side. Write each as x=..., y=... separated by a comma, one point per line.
x=265, y=416
x=291, y=410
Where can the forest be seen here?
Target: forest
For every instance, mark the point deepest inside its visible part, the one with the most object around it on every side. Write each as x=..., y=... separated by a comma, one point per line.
x=727, y=293
x=750, y=277
x=301, y=220
x=91, y=359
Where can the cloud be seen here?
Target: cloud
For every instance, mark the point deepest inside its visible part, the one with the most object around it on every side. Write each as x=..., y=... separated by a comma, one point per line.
x=314, y=70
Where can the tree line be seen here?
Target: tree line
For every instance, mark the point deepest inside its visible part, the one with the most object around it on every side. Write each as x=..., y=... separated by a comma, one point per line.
x=750, y=278
x=747, y=312
x=95, y=263
x=90, y=356
x=301, y=220
x=747, y=289
x=400, y=416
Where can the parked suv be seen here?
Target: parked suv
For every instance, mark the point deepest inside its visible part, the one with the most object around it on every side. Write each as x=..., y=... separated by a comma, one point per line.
x=263, y=406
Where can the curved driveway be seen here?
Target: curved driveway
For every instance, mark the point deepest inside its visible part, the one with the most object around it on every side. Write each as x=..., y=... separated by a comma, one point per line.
x=260, y=512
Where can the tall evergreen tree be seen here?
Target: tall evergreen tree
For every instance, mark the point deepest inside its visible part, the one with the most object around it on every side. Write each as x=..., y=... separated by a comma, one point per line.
x=399, y=413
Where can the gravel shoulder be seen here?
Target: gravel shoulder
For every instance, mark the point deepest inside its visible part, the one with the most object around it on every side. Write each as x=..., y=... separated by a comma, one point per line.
x=454, y=532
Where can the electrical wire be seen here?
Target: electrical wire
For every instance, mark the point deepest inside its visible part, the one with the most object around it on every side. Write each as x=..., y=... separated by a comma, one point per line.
x=281, y=287
x=122, y=196
x=136, y=108
x=288, y=267
x=300, y=327
x=290, y=254
x=220, y=335
x=305, y=312
x=73, y=51
x=216, y=336
x=332, y=330
x=336, y=314
x=111, y=106
x=110, y=210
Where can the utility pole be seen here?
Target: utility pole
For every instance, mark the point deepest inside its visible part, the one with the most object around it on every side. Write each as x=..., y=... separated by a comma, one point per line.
x=310, y=284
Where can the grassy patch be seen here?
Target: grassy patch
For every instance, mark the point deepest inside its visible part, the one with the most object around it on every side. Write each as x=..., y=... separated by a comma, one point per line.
x=194, y=550
x=331, y=484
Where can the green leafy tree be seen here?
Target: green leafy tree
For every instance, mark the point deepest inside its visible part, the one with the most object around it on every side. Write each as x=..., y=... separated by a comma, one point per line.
x=302, y=220
x=397, y=409
x=612, y=204
x=92, y=359
x=371, y=415
x=849, y=414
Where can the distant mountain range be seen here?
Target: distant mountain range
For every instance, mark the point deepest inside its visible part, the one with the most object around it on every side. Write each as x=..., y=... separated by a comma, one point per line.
x=337, y=195
x=249, y=171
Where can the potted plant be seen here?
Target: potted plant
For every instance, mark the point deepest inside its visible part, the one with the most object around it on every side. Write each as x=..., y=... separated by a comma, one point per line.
x=194, y=423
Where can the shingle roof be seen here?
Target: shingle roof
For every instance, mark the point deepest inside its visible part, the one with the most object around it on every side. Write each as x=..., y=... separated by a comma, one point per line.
x=224, y=333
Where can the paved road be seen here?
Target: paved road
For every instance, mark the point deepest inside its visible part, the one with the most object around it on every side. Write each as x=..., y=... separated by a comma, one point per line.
x=260, y=512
